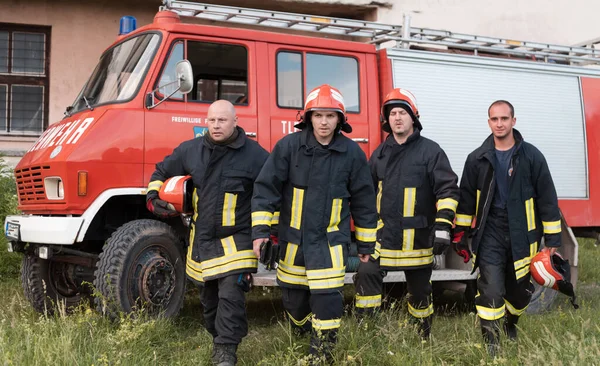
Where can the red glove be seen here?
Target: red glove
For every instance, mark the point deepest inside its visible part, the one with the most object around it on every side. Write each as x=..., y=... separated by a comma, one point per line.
x=160, y=208
x=461, y=246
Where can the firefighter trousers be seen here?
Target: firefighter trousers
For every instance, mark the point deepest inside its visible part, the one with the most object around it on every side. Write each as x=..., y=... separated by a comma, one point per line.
x=368, y=283
x=224, y=305
x=499, y=290
x=318, y=313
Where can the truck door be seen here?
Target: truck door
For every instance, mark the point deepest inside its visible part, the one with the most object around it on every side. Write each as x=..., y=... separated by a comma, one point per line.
x=223, y=69
x=298, y=70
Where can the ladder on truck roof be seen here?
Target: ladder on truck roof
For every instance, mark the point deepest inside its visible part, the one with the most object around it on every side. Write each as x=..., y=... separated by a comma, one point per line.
x=581, y=55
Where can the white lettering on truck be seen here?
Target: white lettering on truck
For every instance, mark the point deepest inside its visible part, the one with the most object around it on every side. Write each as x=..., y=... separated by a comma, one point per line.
x=287, y=127
x=57, y=135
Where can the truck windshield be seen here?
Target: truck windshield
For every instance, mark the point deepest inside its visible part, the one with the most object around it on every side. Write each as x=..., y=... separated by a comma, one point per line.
x=119, y=73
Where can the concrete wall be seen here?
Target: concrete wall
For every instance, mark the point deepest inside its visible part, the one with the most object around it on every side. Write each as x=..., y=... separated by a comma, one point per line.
x=81, y=30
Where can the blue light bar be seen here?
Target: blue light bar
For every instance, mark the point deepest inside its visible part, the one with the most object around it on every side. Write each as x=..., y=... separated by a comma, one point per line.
x=127, y=24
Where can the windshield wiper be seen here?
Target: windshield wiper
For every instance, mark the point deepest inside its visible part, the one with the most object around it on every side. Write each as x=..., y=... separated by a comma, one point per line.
x=87, y=103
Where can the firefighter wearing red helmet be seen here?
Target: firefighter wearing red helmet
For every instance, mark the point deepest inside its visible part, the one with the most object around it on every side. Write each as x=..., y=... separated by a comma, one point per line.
x=223, y=165
x=507, y=203
x=310, y=177
x=417, y=195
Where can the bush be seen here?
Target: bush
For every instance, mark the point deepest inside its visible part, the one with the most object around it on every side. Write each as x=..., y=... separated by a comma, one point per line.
x=10, y=263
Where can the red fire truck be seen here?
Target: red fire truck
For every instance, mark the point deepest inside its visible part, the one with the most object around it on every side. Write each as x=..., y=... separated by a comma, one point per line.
x=82, y=185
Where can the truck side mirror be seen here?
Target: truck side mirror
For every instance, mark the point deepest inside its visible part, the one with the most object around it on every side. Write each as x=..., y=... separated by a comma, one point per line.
x=185, y=76
x=185, y=84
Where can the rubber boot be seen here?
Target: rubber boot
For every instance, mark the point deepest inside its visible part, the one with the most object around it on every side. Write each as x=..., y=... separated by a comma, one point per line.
x=425, y=328
x=491, y=336
x=321, y=346
x=510, y=326
x=225, y=354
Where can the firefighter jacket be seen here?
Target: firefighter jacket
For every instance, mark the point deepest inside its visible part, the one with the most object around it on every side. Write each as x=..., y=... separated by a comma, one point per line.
x=316, y=189
x=416, y=192
x=223, y=176
x=532, y=204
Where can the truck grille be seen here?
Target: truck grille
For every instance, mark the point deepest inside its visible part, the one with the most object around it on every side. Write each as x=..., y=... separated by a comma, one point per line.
x=30, y=184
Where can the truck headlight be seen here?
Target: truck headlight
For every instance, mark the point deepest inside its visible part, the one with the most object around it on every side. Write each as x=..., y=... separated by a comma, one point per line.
x=54, y=188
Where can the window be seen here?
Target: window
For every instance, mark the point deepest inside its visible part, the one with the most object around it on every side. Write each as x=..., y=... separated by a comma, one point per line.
x=220, y=72
x=337, y=71
x=24, y=79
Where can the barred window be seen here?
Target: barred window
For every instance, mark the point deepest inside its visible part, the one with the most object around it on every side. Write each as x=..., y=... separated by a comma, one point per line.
x=24, y=79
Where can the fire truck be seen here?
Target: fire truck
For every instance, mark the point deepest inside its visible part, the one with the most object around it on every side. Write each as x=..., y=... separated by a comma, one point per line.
x=82, y=185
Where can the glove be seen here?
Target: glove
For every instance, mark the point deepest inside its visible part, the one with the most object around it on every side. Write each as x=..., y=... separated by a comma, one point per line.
x=269, y=255
x=461, y=246
x=160, y=208
x=441, y=239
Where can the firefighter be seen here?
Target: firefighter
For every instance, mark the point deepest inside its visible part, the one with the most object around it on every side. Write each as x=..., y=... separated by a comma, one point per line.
x=310, y=177
x=417, y=195
x=508, y=199
x=223, y=164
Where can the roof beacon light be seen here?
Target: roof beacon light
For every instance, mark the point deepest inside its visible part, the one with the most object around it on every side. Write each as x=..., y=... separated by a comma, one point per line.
x=127, y=24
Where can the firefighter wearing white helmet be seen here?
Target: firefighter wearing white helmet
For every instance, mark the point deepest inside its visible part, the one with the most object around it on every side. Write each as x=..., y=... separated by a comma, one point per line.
x=508, y=201
x=312, y=176
x=417, y=194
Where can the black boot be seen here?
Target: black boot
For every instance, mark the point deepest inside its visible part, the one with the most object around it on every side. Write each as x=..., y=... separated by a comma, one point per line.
x=321, y=346
x=425, y=328
x=510, y=326
x=224, y=354
x=491, y=336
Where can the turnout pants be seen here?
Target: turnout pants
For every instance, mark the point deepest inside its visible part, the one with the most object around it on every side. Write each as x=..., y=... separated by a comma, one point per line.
x=499, y=291
x=369, y=284
x=224, y=305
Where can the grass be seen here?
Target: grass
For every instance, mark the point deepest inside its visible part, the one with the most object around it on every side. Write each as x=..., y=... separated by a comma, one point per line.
x=562, y=336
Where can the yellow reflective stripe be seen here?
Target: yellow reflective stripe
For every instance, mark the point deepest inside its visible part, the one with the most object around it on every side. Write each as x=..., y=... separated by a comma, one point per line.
x=408, y=235
x=551, y=227
x=224, y=260
x=368, y=301
x=490, y=313
x=533, y=247
x=155, y=185
x=262, y=218
x=229, y=209
x=337, y=256
x=299, y=323
x=195, y=203
x=191, y=272
x=439, y=219
x=464, y=220
x=530, y=212
x=326, y=324
x=228, y=245
x=290, y=253
x=325, y=273
x=477, y=202
x=379, y=224
x=522, y=262
x=420, y=313
x=336, y=212
x=514, y=311
x=405, y=262
x=292, y=270
x=297, y=200
x=327, y=278
x=522, y=272
x=291, y=278
x=377, y=252
x=329, y=283
x=366, y=235
x=447, y=204
x=407, y=253
x=192, y=268
x=275, y=219
x=379, y=193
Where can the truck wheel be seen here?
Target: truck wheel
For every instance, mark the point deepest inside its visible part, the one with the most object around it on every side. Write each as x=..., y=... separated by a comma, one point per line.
x=141, y=268
x=541, y=300
x=48, y=283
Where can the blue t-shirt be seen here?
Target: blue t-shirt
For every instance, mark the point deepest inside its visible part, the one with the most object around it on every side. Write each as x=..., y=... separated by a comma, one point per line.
x=502, y=174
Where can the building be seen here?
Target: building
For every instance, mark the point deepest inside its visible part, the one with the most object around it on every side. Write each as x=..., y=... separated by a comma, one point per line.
x=48, y=49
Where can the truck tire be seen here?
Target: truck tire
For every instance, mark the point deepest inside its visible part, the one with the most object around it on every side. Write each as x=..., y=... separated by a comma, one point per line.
x=47, y=284
x=541, y=300
x=141, y=267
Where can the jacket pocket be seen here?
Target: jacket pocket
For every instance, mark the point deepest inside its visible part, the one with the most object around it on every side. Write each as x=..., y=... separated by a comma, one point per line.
x=233, y=187
x=415, y=176
x=338, y=193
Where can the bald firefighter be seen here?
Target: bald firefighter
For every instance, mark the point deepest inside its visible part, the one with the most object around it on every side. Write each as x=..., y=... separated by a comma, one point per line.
x=223, y=164
x=312, y=175
x=417, y=195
